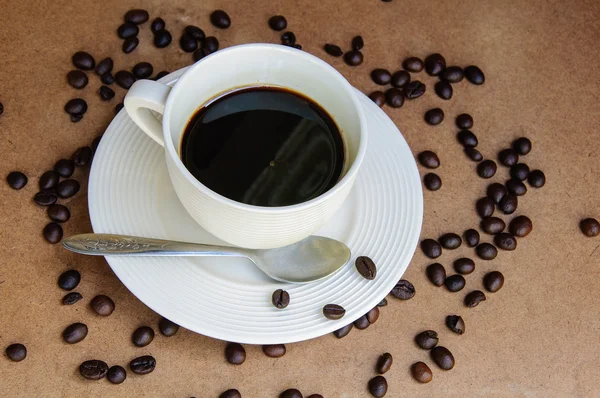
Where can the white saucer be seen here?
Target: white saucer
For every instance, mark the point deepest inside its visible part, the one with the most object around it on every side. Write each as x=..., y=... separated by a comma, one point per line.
x=228, y=298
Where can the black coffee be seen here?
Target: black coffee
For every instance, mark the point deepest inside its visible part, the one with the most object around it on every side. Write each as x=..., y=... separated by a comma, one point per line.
x=264, y=146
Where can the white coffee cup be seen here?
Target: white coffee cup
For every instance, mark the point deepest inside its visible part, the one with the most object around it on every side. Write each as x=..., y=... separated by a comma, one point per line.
x=231, y=68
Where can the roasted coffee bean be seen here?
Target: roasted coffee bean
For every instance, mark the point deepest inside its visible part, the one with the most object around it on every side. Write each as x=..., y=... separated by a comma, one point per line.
x=143, y=70
x=291, y=393
x=142, y=336
x=404, y=290
x=432, y=181
x=235, y=353
x=200, y=53
x=492, y=225
x=434, y=116
x=333, y=311
x=160, y=75
x=487, y=168
x=464, y=266
x=358, y=43
x=124, y=79
x=353, y=58
x=130, y=44
x=128, y=30
x=167, y=328
x=435, y=64
x=505, y=241
x=383, y=302
x=414, y=89
x=443, y=89
x=77, y=79
x=473, y=154
x=142, y=365
x=431, y=248
x=116, y=374
x=83, y=60
x=231, y=393
x=188, y=43
x=508, y=157
x=378, y=97
x=288, y=38
x=455, y=283
x=394, y=97
x=519, y=171
x=522, y=145
x=58, y=213
x=96, y=142
x=373, y=315
x=46, y=197
x=467, y=138
x=53, y=233
x=589, y=226
x=280, y=298
x=106, y=93
x=333, y=50
x=274, y=350
x=362, y=322
x=427, y=339
x=421, y=372
x=474, y=75
x=76, y=117
x=436, y=274
x=496, y=192
x=118, y=107
x=76, y=106
x=413, y=64
x=536, y=178
x=520, y=226
x=137, y=17
x=17, y=180
x=75, y=333
x=82, y=156
x=93, y=369
x=210, y=44
x=493, y=281
x=102, y=305
x=107, y=78
x=429, y=159
x=485, y=207
x=104, y=66
x=508, y=204
x=378, y=386
x=157, y=24
x=474, y=298
x=67, y=188
x=486, y=251
x=464, y=121
x=1, y=108
x=381, y=76
x=471, y=237
x=16, y=352
x=366, y=267
x=220, y=19
x=400, y=79
x=516, y=187
x=343, y=331
x=450, y=241
x=162, y=38
x=442, y=357
x=384, y=363
x=277, y=22
x=455, y=323
x=71, y=298
x=453, y=74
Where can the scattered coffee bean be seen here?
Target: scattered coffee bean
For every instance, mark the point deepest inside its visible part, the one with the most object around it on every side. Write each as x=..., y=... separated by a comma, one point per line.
x=487, y=168
x=358, y=43
x=434, y=116
x=158, y=24
x=492, y=225
x=124, y=79
x=493, y=281
x=453, y=74
x=473, y=154
x=142, y=365
x=429, y=159
x=343, y=331
x=373, y=315
x=118, y=107
x=464, y=121
x=161, y=74
x=67, y=188
x=427, y=339
x=277, y=22
x=107, y=78
x=431, y=248
x=210, y=44
x=235, y=353
x=58, y=213
x=381, y=76
x=413, y=64
x=436, y=274
x=291, y=393
x=83, y=155
x=280, y=298
x=421, y=372
x=83, y=60
x=142, y=70
x=76, y=117
x=505, y=241
x=384, y=363
x=93, y=369
x=231, y=393
x=288, y=38
x=46, y=197
x=200, y=53
x=536, y=178
x=519, y=171
x=76, y=106
x=333, y=50
x=414, y=89
x=508, y=157
x=75, y=333
x=333, y=311
x=102, y=305
x=455, y=323
x=474, y=75
x=435, y=64
x=455, y=283
x=116, y=374
x=187, y=43
x=520, y=226
x=400, y=79
x=220, y=19
x=16, y=180
x=486, y=251
x=464, y=266
x=508, y=204
x=394, y=97
x=442, y=357
x=96, y=142
x=443, y=89
x=366, y=267
x=467, y=138
x=485, y=207
x=496, y=192
x=137, y=16
x=167, y=328
x=471, y=237
x=16, y=352
x=274, y=350
x=432, y=181
x=474, y=298
x=1, y=108
x=378, y=386
x=450, y=241
x=383, y=302
x=404, y=290
x=516, y=187
x=162, y=38
x=77, y=79
x=128, y=30
x=362, y=322
x=522, y=145
x=590, y=227
x=106, y=93
x=378, y=97
x=142, y=336
x=353, y=58
x=53, y=233
x=71, y=298
x=104, y=66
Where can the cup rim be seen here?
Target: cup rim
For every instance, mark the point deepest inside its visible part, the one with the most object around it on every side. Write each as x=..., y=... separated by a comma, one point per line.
x=350, y=91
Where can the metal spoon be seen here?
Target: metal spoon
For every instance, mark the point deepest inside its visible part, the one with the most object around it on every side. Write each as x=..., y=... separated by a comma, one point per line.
x=309, y=260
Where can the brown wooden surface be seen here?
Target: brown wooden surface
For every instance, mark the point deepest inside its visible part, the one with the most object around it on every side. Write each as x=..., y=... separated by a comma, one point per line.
x=537, y=337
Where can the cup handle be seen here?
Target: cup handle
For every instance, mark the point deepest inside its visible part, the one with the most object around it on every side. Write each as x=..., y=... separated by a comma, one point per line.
x=143, y=96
